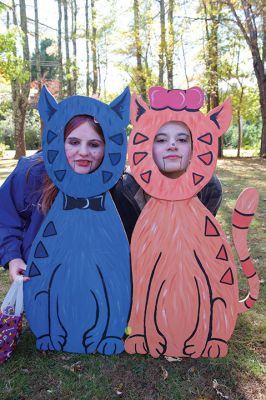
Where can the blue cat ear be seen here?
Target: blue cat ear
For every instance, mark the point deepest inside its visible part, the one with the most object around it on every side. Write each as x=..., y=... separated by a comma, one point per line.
x=47, y=105
x=121, y=105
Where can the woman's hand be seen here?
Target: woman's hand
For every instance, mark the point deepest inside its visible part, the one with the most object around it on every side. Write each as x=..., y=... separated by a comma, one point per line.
x=17, y=268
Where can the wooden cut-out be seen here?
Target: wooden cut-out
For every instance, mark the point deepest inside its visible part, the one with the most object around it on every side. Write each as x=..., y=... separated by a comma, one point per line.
x=79, y=294
x=185, y=288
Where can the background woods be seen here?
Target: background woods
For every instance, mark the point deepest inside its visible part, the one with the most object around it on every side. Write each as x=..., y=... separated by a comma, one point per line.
x=96, y=47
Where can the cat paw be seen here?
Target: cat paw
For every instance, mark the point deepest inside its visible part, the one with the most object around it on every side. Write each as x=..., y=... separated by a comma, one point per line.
x=44, y=343
x=58, y=342
x=215, y=349
x=111, y=345
x=192, y=350
x=157, y=347
x=136, y=344
x=90, y=342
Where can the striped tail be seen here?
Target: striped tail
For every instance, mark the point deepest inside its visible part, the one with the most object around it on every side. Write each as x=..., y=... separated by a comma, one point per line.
x=243, y=213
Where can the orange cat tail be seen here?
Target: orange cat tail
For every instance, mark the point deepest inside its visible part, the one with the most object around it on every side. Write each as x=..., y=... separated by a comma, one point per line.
x=243, y=213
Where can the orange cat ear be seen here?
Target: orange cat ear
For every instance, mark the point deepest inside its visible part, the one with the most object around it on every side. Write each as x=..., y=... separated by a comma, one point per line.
x=221, y=117
x=137, y=108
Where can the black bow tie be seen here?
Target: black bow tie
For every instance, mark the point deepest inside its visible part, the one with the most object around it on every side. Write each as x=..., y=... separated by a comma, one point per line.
x=92, y=203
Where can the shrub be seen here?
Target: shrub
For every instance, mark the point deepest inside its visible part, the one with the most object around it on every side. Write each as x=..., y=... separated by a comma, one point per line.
x=32, y=127
x=3, y=148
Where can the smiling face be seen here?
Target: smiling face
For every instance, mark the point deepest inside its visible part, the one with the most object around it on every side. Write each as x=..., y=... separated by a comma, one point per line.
x=172, y=149
x=84, y=148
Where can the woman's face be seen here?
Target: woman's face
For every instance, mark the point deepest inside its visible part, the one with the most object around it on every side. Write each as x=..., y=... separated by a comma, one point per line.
x=84, y=149
x=172, y=149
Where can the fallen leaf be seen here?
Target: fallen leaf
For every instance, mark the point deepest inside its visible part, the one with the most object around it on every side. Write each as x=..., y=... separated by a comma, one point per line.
x=119, y=389
x=66, y=358
x=165, y=373
x=215, y=386
x=76, y=367
x=173, y=359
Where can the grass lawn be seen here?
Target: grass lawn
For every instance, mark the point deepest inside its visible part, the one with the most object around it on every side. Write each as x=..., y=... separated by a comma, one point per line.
x=31, y=374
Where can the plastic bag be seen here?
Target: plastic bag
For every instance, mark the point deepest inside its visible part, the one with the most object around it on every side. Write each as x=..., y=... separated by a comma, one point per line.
x=11, y=319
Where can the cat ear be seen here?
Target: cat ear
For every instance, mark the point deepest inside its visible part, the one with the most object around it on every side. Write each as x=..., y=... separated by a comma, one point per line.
x=121, y=106
x=138, y=108
x=47, y=105
x=221, y=116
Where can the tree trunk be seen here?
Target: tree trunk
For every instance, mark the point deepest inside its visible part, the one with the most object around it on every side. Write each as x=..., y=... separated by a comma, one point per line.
x=74, y=12
x=239, y=125
x=59, y=44
x=141, y=80
x=87, y=49
x=37, y=50
x=263, y=135
x=263, y=94
x=239, y=106
x=261, y=79
x=212, y=10
x=94, y=48
x=162, y=43
x=99, y=75
x=20, y=91
x=20, y=104
x=184, y=60
x=68, y=61
x=170, y=46
x=7, y=20
x=106, y=65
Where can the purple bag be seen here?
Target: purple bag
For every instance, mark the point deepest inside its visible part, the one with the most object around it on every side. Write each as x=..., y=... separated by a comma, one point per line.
x=11, y=319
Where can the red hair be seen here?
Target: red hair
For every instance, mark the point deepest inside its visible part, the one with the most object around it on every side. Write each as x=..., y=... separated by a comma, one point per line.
x=49, y=189
x=78, y=120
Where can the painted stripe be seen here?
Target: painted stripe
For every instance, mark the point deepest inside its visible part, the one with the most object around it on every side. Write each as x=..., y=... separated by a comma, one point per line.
x=250, y=302
x=241, y=221
x=245, y=259
x=248, y=268
x=245, y=214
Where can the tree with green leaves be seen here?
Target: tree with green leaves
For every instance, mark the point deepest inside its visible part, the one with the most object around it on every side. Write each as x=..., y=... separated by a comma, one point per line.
x=16, y=70
x=140, y=72
x=250, y=17
x=49, y=64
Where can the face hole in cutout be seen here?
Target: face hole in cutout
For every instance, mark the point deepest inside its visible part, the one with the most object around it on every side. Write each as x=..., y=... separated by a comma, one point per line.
x=172, y=149
x=84, y=144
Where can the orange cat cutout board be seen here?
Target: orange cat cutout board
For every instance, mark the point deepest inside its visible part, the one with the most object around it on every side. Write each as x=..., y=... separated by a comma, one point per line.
x=185, y=289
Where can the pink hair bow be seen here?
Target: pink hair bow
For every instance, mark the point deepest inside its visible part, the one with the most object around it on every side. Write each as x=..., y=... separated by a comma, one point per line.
x=176, y=99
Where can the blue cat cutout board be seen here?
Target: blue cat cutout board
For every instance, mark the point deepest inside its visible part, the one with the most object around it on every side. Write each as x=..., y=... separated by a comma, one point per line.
x=78, y=298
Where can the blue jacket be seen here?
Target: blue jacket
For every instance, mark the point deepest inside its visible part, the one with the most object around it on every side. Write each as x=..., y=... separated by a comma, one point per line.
x=20, y=213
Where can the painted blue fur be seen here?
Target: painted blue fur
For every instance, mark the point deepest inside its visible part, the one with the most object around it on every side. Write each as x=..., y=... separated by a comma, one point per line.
x=78, y=298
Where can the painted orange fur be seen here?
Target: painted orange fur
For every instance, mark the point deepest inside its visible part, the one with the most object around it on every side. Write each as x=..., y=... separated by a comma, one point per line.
x=185, y=289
